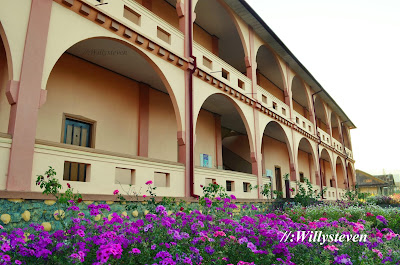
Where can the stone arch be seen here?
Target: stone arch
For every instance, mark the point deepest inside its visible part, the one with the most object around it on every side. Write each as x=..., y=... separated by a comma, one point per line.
x=6, y=74
x=305, y=146
x=232, y=52
x=335, y=126
x=154, y=66
x=341, y=173
x=270, y=74
x=300, y=97
x=327, y=168
x=351, y=175
x=238, y=109
x=6, y=46
x=277, y=155
x=321, y=114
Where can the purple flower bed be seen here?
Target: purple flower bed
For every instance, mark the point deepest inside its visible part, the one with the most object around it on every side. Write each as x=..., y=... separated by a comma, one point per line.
x=211, y=236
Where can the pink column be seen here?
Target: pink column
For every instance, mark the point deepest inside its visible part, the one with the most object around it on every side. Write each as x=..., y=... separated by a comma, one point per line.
x=28, y=98
x=144, y=98
x=256, y=157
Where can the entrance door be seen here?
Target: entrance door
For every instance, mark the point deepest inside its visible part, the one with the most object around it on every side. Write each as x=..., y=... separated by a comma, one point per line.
x=278, y=179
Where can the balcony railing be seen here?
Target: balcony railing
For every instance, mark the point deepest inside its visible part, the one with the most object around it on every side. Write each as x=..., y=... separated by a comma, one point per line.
x=325, y=137
x=337, y=145
x=102, y=169
x=271, y=102
x=349, y=153
x=221, y=70
x=203, y=176
x=148, y=24
x=303, y=123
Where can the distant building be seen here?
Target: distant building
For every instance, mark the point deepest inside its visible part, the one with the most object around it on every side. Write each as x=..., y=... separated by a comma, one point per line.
x=378, y=184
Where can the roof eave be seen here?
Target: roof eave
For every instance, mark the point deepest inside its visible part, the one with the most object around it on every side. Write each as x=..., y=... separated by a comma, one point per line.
x=246, y=12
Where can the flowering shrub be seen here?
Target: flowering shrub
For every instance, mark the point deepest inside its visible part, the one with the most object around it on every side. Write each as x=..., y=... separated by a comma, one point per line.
x=252, y=237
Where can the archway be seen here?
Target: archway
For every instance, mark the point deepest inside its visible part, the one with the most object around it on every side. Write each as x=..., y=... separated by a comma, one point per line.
x=217, y=31
x=269, y=74
x=223, y=139
x=118, y=93
x=300, y=99
x=346, y=138
x=320, y=112
x=335, y=125
x=306, y=162
x=5, y=75
x=276, y=155
x=341, y=174
x=328, y=179
x=351, y=177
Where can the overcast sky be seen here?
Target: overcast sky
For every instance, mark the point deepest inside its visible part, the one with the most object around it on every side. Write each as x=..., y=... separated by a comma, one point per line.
x=352, y=48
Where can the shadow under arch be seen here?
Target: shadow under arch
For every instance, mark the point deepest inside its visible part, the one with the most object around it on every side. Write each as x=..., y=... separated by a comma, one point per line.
x=233, y=123
x=269, y=67
x=322, y=114
x=305, y=146
x=300, y=97
x=220, y=22
x=327, y=173
x=350, y=174
x=7, y=49
x=276, y=157
x=340, y=173
x=86, y=50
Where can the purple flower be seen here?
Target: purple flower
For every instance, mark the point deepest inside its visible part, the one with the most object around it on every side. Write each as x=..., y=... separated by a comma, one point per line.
x=135, y=251
x=382, y=219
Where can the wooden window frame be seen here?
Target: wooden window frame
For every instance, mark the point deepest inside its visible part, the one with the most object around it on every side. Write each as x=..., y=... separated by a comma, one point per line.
x=93, y=123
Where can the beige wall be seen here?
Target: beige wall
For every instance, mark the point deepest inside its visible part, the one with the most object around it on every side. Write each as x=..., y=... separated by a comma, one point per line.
x=335, y=134
x=271, y=88
x=205, y=137
x=4, y=105
x=162, y=128
x=202, y=37
x=113, y=102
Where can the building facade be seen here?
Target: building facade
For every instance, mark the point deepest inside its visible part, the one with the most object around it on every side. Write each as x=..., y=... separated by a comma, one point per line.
x=182, y=92
x=377, y=184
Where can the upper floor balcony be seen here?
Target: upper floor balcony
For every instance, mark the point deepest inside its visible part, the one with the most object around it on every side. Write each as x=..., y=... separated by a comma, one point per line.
x=219, y=47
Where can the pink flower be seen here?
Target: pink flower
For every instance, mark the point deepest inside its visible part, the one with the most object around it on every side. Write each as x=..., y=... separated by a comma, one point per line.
x=390, y=235
x=331, y=248
x=323, y=219
x=357, y=227
x=144, y=196
x=378, y=252
x=219, y=233
x=379, y=234
x=149, y=182
x=370, y=214
x=312, y=225
x=116, y=192
x=69, y=186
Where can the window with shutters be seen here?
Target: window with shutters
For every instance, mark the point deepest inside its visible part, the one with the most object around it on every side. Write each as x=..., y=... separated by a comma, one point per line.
x=76, y=133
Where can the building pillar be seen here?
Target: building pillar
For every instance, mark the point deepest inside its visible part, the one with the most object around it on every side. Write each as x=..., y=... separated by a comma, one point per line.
x=218, y=142
x=251, y=71
x=26, y=96
x=144, y=116
x=186, y=136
